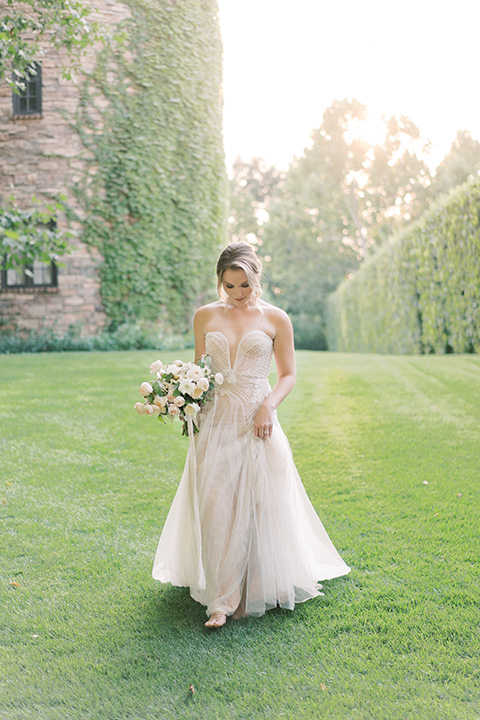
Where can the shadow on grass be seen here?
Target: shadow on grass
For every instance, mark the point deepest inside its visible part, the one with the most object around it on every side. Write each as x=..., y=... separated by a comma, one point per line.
x=170, y=612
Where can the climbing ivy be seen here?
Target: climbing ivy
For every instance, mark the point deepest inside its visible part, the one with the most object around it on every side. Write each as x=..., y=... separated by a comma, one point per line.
x=152, y=196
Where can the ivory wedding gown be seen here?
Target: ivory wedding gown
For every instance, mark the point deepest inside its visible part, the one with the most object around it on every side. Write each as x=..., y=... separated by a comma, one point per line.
x=241, y=530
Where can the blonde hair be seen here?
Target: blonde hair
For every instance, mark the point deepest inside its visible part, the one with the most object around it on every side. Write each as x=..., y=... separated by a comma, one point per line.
x=240, y=256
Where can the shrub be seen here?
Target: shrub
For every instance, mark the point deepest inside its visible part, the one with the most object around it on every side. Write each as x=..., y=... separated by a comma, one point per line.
x=125, y=337
x=421, y=292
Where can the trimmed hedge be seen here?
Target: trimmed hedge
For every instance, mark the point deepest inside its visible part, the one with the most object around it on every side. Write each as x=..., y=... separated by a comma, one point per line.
x=421, y=292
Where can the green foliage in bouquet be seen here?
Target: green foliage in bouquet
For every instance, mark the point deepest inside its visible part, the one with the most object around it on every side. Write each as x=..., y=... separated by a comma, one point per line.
x=421, y=292
x=152, y=197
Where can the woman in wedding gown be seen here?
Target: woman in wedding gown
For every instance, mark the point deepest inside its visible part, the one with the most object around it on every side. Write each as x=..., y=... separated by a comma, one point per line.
x=241, y=532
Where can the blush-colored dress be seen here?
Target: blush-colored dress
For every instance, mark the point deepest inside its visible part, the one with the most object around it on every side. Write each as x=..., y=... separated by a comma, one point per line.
x=241, y=531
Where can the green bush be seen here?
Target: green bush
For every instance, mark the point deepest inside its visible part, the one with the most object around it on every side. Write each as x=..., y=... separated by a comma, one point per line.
x=126, y=337
x=421, y=292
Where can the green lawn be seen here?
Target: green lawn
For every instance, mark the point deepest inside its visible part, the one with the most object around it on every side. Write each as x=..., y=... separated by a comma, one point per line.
x=86, y=483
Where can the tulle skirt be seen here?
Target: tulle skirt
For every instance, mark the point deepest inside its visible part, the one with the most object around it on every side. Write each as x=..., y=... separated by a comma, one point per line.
x=241, y=532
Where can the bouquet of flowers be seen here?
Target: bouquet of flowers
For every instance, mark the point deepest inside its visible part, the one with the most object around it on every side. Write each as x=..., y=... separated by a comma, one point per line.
x=178, y=390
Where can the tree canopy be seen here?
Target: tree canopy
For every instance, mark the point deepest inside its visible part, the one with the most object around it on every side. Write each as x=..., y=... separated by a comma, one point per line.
x=338, y=202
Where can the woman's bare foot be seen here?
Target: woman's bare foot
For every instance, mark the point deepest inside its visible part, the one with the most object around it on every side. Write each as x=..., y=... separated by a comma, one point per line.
x=216, y=620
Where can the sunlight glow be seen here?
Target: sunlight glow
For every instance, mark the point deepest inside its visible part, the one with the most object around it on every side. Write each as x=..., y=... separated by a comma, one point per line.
x=284, y=66
x=372, y=130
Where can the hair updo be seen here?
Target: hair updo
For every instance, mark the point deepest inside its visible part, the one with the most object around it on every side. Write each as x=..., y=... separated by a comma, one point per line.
x=240, y=256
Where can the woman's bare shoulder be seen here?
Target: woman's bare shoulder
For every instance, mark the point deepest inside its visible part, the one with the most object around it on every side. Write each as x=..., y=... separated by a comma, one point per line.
x=275, y=315
x=206, y=312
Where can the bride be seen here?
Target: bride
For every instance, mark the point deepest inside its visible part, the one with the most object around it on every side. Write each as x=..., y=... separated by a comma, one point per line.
x=241, y=532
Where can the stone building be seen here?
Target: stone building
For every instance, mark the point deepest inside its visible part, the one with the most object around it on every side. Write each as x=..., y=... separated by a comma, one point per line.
x=40, y=155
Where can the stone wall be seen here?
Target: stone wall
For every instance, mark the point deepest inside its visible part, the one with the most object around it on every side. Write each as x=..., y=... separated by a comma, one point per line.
x=41, y=155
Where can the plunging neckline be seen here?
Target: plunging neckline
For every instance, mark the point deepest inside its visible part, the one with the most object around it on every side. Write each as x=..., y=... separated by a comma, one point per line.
x=219, y=332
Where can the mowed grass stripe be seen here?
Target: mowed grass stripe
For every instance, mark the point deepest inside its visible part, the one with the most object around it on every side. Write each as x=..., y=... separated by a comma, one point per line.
x=86, y=486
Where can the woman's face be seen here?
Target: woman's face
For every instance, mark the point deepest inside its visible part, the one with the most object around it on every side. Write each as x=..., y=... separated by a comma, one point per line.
x=235, y=284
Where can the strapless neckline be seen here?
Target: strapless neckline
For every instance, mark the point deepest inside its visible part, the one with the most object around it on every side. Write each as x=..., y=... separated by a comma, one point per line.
x=250, y=332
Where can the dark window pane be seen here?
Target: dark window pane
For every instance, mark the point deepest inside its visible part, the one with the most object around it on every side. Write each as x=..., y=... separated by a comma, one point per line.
x=23, y=104
x=33, y=105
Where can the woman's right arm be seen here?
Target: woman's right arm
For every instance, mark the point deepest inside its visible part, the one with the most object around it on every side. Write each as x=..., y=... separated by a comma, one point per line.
x=198, y=327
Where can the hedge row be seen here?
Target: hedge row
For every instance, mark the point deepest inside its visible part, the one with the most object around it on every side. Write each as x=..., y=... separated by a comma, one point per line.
x=136, y=336
x=421, y=292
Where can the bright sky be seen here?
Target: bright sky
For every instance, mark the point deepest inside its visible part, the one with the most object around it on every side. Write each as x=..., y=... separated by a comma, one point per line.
x=286, y=61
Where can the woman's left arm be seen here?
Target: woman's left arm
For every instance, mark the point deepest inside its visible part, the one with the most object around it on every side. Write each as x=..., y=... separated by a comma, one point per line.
x=284, y=351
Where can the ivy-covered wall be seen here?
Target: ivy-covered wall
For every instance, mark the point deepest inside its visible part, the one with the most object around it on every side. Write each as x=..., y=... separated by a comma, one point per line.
x=421, y=292
x=152, y=196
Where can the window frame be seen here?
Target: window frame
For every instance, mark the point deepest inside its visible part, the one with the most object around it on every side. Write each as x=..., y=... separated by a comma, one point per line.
x=28, y=284
x=30, y=81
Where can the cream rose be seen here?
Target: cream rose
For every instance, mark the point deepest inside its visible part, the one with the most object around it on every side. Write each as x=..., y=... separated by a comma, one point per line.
x=156, y=367
x=140, y=408
x=160, y=401
x=179, y=401
x=145, y=389
x=172, y=369
x=173, y=410
x=197, y=392
x=148, y=409
x=192, y=409
x=219, y=378
x=203, y=384
x=195, y=373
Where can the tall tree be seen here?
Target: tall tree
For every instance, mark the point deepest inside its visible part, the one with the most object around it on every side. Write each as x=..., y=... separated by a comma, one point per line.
x=252, y=187
x=340, y=198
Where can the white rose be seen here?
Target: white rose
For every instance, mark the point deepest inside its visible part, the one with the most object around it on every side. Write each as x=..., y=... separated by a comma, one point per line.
x=219, y=378
x=145, y=389
x=140, y=408
x=156, y=367
x=148, y=409
x=179, y=401
x=192, y=409
x=185, y=386
x=156, y=410
x=203, y=384
x=195, y=372
x=160, y=401
x=173, y=410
